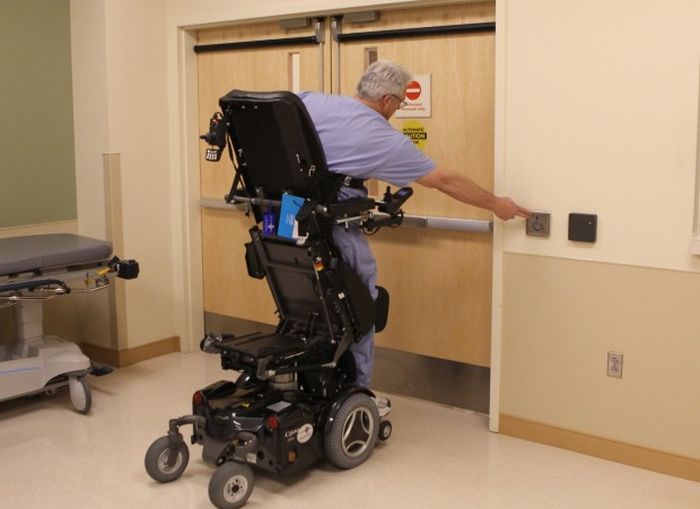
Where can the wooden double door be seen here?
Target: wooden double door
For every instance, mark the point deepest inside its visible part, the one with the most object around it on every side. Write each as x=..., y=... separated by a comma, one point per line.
x=439, y=280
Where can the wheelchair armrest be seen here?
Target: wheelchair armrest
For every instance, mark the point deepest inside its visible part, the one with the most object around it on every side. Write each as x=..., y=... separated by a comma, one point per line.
x=382, y=220
x=351, y=206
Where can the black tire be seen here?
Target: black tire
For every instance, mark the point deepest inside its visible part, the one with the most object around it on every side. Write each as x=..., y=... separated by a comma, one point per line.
x=158, y=455
x=384, y=430
x=351, y=437
x=231, y=485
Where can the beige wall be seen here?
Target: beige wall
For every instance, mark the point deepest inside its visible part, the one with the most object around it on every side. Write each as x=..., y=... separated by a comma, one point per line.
x=90, y=117
x=602, y=112
x=120, y=95
x=563, y=316
x=196, y=13
x=70, y=226
x=600, y=115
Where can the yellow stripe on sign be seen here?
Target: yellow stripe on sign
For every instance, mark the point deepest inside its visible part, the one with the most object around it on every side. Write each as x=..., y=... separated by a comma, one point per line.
x=416, y=132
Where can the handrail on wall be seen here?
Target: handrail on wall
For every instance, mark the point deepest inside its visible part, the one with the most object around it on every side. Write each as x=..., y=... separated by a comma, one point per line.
x=432, y=222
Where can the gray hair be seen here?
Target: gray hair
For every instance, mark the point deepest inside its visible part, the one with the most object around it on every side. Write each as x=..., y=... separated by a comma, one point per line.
x=383, y=78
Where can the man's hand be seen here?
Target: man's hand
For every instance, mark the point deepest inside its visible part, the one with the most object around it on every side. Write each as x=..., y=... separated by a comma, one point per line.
x=506, y=209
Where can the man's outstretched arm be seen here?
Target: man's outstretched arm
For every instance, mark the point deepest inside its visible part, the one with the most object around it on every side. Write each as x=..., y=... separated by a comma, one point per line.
x=464, y=189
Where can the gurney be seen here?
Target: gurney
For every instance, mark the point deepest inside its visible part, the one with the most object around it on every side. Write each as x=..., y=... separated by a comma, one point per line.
x=37, y=268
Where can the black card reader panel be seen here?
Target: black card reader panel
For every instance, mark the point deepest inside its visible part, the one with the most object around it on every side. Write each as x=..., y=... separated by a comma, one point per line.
x=583, y=227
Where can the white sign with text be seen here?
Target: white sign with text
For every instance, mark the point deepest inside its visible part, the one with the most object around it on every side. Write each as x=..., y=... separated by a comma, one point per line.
x=417, y=98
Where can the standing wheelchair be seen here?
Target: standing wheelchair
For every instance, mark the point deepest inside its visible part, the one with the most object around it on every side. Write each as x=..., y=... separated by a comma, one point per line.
x=294, y=399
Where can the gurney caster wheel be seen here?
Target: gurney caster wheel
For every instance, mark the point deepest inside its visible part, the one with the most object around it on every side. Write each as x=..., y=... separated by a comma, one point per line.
x=231, y=485
x=353, y=433
x=80, y=394
x=166, y=459
x=384, y=430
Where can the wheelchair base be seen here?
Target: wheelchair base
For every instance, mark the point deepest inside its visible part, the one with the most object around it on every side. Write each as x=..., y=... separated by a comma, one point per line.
x=280, y=431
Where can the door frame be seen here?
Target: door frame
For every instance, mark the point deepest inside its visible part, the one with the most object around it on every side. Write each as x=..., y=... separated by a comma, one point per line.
x=186, y=200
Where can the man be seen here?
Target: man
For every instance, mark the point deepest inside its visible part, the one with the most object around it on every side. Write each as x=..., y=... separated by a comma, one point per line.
x=360, y=143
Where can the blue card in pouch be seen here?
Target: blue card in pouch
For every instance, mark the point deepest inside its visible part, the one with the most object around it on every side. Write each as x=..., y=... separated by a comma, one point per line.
x=288, y=226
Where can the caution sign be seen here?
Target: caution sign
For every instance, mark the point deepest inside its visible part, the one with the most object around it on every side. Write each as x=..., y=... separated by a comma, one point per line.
x=417, y=98
x=416, y=132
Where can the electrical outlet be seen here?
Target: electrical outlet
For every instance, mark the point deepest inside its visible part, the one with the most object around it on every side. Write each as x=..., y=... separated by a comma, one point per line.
x=615, y=364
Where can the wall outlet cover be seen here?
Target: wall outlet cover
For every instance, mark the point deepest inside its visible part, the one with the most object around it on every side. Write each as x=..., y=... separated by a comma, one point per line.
x=615, y=364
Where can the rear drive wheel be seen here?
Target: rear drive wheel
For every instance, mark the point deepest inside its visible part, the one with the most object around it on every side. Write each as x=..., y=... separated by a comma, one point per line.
x=351, y=437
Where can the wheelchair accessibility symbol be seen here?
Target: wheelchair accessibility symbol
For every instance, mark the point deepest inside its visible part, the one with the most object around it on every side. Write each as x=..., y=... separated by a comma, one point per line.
x=538, y=224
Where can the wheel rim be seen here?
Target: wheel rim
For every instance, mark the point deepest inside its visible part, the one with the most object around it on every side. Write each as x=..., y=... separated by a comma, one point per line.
x=357, y=432
x=163, y=462
x=235, y=488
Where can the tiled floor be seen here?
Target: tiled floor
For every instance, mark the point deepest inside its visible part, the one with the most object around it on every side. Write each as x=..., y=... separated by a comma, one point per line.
x=437, y=457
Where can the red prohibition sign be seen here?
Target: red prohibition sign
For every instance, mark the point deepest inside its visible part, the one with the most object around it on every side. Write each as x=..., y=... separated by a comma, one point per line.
x=413, y=90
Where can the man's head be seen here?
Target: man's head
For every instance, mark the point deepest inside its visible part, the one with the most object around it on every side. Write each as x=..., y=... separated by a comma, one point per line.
x=383, y=87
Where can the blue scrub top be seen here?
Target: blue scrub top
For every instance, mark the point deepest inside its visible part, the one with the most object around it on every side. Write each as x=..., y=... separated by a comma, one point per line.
x=361, y=143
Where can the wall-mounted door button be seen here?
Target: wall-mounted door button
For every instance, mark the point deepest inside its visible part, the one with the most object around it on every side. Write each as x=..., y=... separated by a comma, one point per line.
x=538, y=224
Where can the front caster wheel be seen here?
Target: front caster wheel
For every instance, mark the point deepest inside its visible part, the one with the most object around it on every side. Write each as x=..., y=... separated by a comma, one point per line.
x=384, y=430
x=231, y=485
x=80, y=394
x=352, y=435
x=166, y=459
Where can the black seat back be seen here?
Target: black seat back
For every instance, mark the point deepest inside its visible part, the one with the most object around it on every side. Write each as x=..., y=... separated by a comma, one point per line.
x=278, y=151
x=277, y=147
x=292, y=278
x=306, y=281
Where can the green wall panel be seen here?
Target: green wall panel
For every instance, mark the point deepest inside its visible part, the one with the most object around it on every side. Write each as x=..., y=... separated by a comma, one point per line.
x=37, y=159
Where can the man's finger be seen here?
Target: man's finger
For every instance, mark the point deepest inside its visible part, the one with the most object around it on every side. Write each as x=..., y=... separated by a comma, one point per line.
x=524, y=213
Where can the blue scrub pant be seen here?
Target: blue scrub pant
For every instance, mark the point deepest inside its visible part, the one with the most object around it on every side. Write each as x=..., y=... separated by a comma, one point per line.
x=355, y=251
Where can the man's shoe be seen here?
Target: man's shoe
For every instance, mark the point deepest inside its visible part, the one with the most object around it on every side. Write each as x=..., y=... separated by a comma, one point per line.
x=383, y=406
